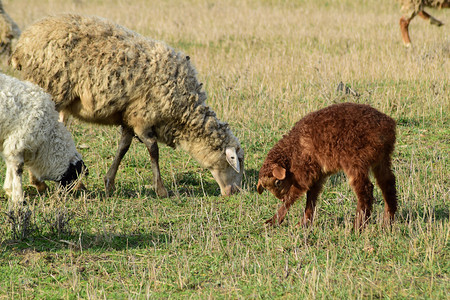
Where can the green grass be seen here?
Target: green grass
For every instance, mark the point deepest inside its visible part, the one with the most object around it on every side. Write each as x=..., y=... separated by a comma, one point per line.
x=264, y=65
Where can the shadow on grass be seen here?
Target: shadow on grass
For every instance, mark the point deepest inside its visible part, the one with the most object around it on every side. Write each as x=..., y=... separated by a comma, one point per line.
x=102, y=241
x=440, y=213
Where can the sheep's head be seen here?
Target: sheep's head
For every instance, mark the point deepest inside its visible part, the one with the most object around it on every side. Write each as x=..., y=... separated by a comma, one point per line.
x=228, y=173
x=277, y=180
x=74, y=171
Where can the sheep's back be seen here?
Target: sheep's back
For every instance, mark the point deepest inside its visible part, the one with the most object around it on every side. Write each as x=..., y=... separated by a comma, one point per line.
x=109, y=68
x=26, y=113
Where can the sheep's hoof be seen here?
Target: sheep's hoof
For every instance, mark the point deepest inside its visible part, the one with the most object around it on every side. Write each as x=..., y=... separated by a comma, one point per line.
x=109, y=186
x=162, y=192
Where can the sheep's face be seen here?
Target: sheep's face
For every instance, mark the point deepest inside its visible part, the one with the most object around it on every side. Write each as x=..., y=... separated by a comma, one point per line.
x=228, y=173
x=279, y=182
x=76, y=169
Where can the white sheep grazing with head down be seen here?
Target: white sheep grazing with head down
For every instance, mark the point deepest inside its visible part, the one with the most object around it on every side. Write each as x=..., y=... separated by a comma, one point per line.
x=103, y=73
x=9, y=32
x=32, y=137
x=412, y=8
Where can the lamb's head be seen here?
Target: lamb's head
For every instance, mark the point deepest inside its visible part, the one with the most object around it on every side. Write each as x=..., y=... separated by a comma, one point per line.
x=228, y=170
x=277, y=180
x=75, y=169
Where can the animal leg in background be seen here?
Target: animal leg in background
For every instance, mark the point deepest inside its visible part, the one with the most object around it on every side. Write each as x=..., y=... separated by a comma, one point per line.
x=386, y=181
x=311, y=200
x=150, y=142
x=404, y=24
x=124, y=145
x=424, y=15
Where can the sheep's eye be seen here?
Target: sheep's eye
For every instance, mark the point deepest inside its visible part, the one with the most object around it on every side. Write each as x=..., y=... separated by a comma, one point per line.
x=277, y=183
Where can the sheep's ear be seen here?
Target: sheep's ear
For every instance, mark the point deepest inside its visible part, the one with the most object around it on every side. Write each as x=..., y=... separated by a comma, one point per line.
x=260, y=187
x=232, y=158
x=279, y=172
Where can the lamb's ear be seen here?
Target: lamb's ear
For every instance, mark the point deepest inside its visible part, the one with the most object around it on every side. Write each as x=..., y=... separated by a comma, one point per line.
x=259, y=187
x=232, y=158
x=279, y=172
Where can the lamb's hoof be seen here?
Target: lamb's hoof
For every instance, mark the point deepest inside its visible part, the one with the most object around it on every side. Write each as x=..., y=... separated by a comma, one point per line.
x=271, y=222
x=20, y=222
x=304, y=223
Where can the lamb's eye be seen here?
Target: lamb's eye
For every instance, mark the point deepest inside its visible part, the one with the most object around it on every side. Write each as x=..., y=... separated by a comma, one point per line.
x=277, y=183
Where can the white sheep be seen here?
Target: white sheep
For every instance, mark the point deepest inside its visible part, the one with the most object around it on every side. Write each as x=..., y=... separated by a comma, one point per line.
x=411, y=8
x=9, y=32
x=32, y=137
x=103, y=73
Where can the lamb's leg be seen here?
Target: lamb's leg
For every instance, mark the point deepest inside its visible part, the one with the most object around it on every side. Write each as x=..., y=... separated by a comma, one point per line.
x=363, y=189
x=278, y=218
x=311, y=200
x=152, y=146
x=424, y=15
x=386, y=181
x=124, y=145
x=40, y=186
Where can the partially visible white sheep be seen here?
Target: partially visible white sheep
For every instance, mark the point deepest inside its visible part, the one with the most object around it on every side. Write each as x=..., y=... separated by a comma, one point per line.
x=9, y=32
x=32, y=137
x=411, y=8
x=103, y=73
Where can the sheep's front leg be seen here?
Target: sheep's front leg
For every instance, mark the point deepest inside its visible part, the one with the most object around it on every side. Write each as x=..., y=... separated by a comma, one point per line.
x=152, y=146
x=19, y=214
x=13, y=184
x=278, y=218
x=124, y=145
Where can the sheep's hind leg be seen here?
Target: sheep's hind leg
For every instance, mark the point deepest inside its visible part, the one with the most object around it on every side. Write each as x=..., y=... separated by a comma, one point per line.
x=386, y=181
x=363, y=189
x=152, y=146
x=124, y=145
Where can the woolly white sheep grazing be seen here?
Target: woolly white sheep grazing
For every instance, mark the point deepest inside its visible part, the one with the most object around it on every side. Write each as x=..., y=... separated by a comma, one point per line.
x=411, y=8
x=9, y=32
x=32, y=137
x=103, y=73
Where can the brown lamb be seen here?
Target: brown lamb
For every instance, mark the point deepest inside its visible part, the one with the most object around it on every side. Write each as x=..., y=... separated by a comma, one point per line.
x=350, y=137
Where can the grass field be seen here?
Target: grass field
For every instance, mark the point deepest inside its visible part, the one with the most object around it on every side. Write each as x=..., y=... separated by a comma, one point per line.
x=264, y=65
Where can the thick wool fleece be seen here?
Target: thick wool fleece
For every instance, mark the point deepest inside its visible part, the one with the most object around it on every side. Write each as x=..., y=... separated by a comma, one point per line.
x=332, y=138
x=30, y=131
x=9, y=32
x=120, y=77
